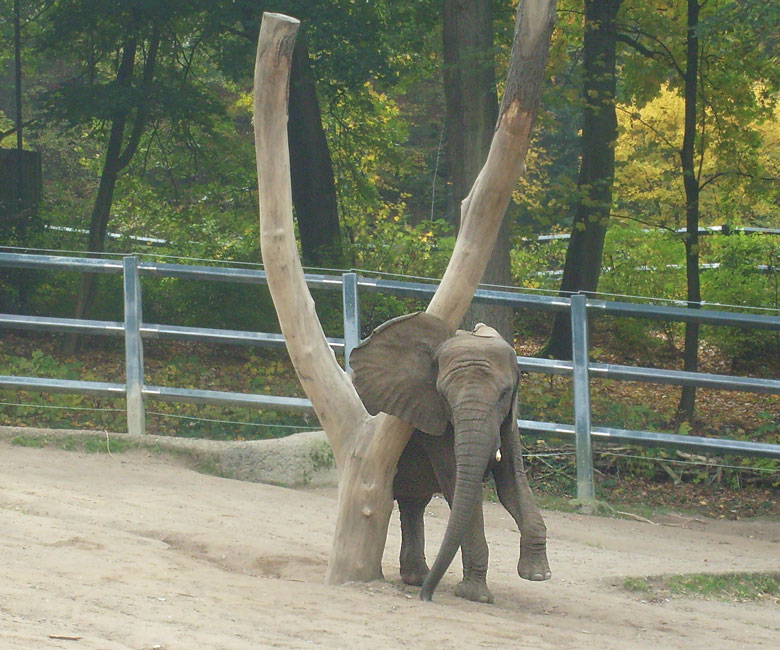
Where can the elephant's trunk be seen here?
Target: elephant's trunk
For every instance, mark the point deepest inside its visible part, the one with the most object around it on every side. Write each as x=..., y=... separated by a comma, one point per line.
x=473, y=449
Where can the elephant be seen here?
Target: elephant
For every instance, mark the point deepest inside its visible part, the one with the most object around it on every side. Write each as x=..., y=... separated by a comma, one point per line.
x=458, y=389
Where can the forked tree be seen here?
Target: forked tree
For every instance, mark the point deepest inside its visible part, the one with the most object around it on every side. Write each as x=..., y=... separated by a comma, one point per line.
x=367, y=448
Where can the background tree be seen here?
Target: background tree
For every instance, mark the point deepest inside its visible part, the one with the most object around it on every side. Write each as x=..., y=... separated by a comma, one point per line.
x=582, y=267
x=722, y=46
x=131, y=63
x=313, y=183
x=472, y=109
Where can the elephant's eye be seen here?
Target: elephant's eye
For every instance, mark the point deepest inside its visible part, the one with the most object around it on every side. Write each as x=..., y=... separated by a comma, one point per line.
x=506, y=394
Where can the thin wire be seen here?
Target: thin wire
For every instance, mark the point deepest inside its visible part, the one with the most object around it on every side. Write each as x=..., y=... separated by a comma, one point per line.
x=66, y=408
x=531, y=455
x=149, y=254
x=436, y=170
x=58, y=250
x=500, y=287
x=559, y=292
x=690, y=462
x=250, y=424
x=170, y=415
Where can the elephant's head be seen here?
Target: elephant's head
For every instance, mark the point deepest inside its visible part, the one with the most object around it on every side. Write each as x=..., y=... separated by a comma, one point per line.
x=416, y=368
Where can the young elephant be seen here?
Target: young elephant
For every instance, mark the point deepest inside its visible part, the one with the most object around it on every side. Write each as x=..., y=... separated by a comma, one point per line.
x=458, y=389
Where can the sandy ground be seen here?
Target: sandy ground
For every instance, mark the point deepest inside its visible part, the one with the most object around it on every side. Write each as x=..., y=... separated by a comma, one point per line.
x=136, y=551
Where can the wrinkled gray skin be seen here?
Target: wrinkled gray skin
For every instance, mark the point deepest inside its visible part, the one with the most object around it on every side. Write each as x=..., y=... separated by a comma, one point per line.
x=458, y=389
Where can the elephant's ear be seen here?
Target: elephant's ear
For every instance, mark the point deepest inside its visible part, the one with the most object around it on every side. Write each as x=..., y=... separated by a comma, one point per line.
x=394, y=370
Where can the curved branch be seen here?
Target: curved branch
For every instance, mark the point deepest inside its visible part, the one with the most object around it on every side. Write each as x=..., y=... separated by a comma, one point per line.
x=483, y=209
x=335, y=400
x=647, y=52
x=635, y=116
x=142, y=110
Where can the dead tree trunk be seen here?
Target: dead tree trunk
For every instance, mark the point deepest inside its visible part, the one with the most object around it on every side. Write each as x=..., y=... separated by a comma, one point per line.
x=367, y=448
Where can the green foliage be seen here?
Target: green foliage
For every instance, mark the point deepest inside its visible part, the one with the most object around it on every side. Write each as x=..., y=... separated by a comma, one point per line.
x=746, y=277
x=321, y=456
x=57, y=410
x=261, y=372
x=535, y=264
x=737, y=95
x=545, y=398
x=643, y=262
x=378, y=70
x=640, y=417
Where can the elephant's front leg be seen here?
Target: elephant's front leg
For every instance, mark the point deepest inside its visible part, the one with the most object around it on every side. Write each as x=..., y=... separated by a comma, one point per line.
x=515, y=494
x=474, y=549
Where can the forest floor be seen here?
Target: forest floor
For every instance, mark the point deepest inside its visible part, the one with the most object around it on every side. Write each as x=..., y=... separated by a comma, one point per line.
x=136, y=551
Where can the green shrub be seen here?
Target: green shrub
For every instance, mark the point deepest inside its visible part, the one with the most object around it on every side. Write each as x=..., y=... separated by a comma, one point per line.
x=738, y=281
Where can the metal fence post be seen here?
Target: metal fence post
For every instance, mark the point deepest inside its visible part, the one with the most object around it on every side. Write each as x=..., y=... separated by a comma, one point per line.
x=579, y=330
x=134, y=352
x=351, y=315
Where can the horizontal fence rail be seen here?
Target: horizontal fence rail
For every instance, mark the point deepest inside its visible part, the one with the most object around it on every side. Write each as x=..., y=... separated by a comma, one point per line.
x=134, y=330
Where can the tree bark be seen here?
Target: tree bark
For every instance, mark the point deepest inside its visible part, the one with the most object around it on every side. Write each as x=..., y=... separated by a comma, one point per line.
x=472, y=110
x=367, y=448
x=597, y=169
x=687, y=403
x=313, y=183
x=18, y=117
x=469, y=89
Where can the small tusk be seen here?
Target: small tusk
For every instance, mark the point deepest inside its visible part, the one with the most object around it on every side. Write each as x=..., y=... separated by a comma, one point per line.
x=498, y=455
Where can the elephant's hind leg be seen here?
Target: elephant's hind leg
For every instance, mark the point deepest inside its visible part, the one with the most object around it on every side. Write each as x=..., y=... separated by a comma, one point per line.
x=412, y=559
x=413, y=488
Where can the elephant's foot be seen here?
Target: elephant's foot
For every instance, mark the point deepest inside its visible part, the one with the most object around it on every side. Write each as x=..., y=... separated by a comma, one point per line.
x=533, y=564
x=475, y=590
x=414, y=573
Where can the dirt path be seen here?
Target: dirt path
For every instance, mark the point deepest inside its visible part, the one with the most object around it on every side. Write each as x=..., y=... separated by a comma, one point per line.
x=135, y=551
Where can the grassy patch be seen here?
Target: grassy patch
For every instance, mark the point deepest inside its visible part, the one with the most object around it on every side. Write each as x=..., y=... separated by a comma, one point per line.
x=87, y=444
x=738, y=587
x=321, y=456
x=203, y=462
x=37, y=442
x=732, y=586
x=639, y=585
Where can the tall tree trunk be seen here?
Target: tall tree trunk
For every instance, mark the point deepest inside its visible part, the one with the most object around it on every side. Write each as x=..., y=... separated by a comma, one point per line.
x=691, y=182
x=472, y=110
x=116, y=160
x=597, y=169
x=18, y=104
x=311, y=168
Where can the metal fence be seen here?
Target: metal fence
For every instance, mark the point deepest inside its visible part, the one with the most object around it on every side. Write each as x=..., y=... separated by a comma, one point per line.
x=137, y=392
